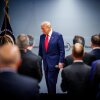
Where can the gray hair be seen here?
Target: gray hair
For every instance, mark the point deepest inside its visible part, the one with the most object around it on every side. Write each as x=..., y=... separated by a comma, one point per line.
x=22, y=41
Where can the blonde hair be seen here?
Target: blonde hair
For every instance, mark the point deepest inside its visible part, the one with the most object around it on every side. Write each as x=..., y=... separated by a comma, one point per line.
x=46, y=23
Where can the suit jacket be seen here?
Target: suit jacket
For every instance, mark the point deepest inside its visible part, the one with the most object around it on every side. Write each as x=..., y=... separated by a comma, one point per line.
x=55, y=53
x=17, y=87
x=31, y=65
x=95, y=71
x=96, y=52
x=75, y=80
x=95, y=78
x=96, y=64
x=87, y=58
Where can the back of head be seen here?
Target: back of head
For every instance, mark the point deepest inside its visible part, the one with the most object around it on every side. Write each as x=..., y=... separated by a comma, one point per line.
x=79, y=39
x=6, y=38
x=9, y=55
x=78, y=51
x=22, y=41
x=95, y=39
x=31, y=40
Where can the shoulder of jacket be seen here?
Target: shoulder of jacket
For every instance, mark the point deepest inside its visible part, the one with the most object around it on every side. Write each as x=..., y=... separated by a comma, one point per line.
x=57, y=33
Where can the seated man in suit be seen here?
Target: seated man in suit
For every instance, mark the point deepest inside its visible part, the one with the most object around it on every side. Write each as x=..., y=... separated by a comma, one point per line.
x=95, y=44
x=30, y=65
x=87, y=58
x=75, y=76
x=12, y=85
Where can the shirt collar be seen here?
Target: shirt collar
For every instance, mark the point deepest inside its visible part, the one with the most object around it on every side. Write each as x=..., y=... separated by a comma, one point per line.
x=78, y=60
x=50, y=33
x=6, y=69
x=96, y=48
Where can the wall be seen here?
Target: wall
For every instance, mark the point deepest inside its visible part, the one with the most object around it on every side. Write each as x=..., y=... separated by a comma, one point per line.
x=69, y=17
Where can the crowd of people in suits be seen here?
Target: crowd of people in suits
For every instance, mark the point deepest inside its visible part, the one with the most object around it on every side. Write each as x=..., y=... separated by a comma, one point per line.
x=81, y=72
x=21, y=69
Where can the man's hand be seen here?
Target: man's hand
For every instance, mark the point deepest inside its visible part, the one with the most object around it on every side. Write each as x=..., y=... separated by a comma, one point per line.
x=60, y=65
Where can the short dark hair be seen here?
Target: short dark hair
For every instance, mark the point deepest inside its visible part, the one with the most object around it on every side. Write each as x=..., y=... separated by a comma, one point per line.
x=31, y=40
x=78, y=39
x=95, y=39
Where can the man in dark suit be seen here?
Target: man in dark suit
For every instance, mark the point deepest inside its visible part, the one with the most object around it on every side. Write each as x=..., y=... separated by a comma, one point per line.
x=95, y=44
x=87, y=58
x=95, y=71
x=30, y=65
x=51, y=49
x=36, y=57
x=12, y=85
x=95, y=78
x=98, y=78
x=75, y=77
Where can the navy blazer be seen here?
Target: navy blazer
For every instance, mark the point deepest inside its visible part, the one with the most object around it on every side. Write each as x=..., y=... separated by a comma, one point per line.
x=55, y=52
x=96, y=52
x=95, y=78
x=17, y=87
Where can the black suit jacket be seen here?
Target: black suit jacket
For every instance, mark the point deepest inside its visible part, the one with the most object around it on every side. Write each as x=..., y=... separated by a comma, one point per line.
x=75, y=80
x=31, y=65
x=17, y=87
x=96, y=64
x=87, y=58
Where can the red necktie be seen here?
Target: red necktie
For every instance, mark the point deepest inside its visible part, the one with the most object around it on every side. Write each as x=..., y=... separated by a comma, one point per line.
x=46, y=43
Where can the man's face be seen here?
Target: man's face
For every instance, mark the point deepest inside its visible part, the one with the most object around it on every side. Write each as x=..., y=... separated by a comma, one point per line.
x=45, y=29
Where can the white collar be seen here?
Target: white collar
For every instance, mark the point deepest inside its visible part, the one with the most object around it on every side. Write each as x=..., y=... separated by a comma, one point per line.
x=96, y=48
x=50, y=33
x=6, y=69
x=78, y=60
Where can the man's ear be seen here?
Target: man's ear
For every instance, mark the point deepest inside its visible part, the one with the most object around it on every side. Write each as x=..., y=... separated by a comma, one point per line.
x=19, y=63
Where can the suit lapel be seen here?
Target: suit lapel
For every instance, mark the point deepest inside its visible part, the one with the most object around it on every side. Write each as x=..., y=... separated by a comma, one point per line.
x=43, y=40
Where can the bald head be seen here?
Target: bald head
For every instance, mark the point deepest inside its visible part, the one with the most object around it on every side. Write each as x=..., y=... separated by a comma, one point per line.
x=9, y=55
x=78, y=51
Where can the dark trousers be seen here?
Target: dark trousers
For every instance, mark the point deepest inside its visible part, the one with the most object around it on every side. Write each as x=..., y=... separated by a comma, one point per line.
x=51, y=79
